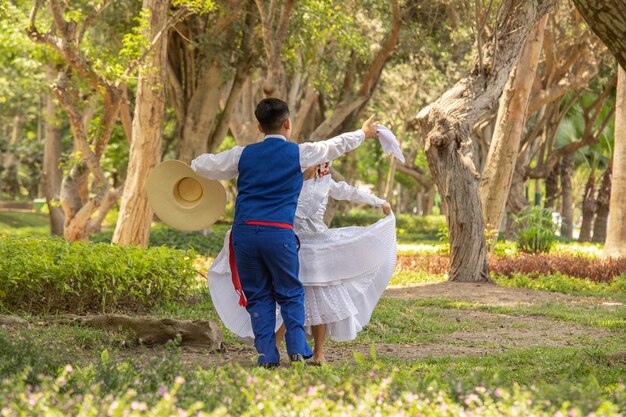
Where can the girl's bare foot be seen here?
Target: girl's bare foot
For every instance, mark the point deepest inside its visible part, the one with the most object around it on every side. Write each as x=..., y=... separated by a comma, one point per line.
x=317, y=360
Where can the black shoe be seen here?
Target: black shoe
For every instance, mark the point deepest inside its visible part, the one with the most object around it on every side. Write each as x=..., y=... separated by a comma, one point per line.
x=269, y=365
x=296, y=357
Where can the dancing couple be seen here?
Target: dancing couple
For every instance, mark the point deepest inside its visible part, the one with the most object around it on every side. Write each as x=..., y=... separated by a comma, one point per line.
x=279, y=251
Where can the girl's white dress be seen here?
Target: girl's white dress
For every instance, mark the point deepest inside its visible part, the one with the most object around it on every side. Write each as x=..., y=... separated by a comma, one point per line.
x=344, y=270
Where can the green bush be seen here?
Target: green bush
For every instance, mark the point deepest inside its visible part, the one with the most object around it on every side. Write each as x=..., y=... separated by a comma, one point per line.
x=48, y=275
x=410, y=227
x=536, y=230
x=209, y=245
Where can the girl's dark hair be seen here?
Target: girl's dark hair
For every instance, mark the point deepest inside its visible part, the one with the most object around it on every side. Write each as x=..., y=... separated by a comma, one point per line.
x=271, y=113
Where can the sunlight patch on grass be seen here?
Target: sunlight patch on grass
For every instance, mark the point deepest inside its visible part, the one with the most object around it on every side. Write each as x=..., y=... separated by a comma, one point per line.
x=422, y=248
x=405, y=279
x=586, y=250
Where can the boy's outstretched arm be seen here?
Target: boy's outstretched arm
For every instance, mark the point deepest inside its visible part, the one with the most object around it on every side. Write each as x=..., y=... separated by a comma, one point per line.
x=220, y=166
x=313, y=153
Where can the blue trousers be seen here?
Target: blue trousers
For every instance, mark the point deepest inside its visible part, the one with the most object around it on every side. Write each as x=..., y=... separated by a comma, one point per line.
x=267, y=261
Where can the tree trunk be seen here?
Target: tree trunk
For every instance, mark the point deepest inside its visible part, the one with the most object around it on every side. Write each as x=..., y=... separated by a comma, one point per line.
x=446, y=126
x=567, y=212
x=615, y=245
x=607, y=19
x=388, y=195
x=200, y=115
x=52, y=175
x=133, y=224
x=602, y=207
x=589, y=209
x=10, y=160
x=151, y=331
x=498, y=173
x=552, y=188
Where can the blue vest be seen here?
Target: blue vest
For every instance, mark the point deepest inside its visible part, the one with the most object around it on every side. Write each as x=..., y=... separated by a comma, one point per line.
x=269, y=182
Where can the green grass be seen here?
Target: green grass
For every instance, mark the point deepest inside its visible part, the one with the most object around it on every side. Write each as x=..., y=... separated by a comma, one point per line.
x=409, y=278
x=17, y=219
x=537, y=381
x=585, y=314
x=564, y=284
x=20, y=223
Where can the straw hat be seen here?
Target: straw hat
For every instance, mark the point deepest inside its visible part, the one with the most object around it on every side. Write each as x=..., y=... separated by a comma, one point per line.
x=182, y=199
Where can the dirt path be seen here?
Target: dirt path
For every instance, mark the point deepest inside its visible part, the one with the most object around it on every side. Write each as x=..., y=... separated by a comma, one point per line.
x=490, y=332
x=489, y=294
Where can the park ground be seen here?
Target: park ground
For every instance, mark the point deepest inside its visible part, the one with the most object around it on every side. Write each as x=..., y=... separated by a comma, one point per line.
x=552, y=345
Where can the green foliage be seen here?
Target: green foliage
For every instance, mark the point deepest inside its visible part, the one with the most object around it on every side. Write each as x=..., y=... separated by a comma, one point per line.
x=196, y=6
x=161, y=235
x=595, y=270
x=46, y=275
x=536, y=229
x=409, y=227
x=324, y=32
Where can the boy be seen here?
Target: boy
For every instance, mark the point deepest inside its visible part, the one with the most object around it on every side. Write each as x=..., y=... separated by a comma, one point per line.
x=270, y=177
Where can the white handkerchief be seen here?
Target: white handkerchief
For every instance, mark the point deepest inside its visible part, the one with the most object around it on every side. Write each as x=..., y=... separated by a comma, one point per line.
x=389, y=142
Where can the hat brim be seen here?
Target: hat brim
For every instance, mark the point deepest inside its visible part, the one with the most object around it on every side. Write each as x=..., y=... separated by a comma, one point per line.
x=164, y=185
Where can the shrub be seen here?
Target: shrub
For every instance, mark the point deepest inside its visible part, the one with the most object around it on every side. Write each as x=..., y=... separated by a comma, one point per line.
x=596, y=270
x=47, y=275
x=431, y=264
x=536, y=230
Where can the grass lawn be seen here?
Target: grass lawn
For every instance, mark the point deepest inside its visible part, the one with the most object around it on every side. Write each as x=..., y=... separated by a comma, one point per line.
x=434, y=356
x=547, y=346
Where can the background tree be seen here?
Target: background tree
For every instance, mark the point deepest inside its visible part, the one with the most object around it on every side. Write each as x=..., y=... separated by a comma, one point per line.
x=607, y=19
x=446, y=125
x=135, y=216
x=498, y=172
x=615, y=245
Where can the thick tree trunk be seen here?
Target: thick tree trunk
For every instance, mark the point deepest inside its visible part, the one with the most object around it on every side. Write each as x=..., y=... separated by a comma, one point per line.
x=615, y=245
x=200, y=115
x=446, y=126
x=133, y=223
x=151, y=331
x=602, y=207
x=204, y=83
x=52, y=175
x=567, y=211
x=607, y=19
x=498, y=173
x=589, y=209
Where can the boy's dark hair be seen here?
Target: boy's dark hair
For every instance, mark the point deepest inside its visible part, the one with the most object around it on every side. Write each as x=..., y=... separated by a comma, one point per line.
x=271, y=113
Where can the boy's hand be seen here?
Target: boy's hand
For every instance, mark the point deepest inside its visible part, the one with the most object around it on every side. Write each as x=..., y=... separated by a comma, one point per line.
x=386, y=208
x=369, y=127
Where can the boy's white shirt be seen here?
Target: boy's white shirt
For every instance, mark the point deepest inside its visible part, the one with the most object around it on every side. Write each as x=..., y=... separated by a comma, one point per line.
x=224, y=165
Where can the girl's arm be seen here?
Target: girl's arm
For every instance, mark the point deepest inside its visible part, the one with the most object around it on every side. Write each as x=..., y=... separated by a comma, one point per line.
x=343, y=191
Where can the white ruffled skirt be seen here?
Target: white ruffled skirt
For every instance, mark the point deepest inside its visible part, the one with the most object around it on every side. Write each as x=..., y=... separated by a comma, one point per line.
x=344, y=272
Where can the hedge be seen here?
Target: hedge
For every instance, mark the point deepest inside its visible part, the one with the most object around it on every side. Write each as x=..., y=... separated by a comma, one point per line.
x=45, y=275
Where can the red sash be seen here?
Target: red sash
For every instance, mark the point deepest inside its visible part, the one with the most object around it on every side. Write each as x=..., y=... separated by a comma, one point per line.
x=233, y=264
